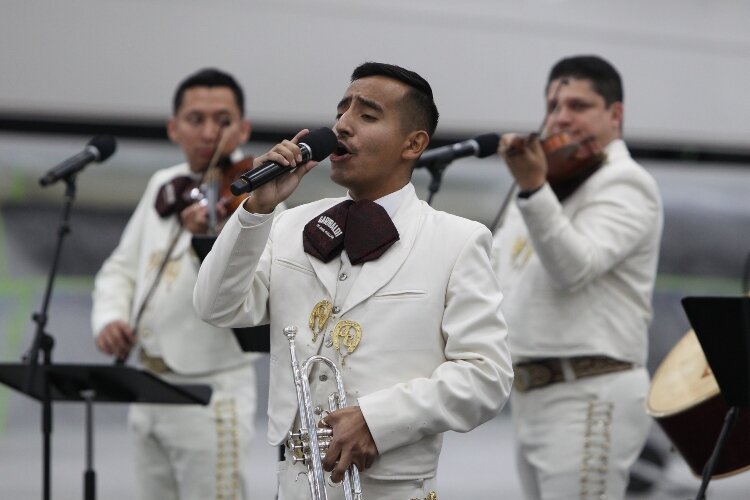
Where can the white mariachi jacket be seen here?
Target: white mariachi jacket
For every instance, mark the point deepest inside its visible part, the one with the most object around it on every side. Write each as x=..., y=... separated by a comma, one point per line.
x=578, y=276
x=433, y=354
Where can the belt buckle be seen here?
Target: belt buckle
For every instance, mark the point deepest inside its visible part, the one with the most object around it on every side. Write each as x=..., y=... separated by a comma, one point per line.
x=529, y=376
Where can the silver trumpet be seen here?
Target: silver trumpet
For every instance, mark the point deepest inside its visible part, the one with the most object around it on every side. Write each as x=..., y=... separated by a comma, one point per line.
x=310, y=443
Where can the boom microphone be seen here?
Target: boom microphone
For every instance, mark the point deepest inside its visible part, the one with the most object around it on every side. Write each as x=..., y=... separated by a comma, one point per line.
x=316, y=146
x=481, y=146
x=98, y=149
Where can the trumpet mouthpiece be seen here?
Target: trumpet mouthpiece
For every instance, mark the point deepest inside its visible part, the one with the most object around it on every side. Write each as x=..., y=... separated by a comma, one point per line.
x=290, y=331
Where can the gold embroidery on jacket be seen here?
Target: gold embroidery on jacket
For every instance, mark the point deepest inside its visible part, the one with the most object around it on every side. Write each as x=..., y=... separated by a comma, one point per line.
x=347, y=334
x=521, y=252
x=319, y=317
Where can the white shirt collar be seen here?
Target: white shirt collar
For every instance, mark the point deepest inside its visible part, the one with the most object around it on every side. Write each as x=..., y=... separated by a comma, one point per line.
x=391, y=202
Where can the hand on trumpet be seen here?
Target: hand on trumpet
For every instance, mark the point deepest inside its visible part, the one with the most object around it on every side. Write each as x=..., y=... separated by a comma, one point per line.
x=351, y=443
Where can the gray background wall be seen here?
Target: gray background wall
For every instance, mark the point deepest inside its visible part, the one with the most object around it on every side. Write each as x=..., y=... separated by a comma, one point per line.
x=685, y=66
x=685, y=62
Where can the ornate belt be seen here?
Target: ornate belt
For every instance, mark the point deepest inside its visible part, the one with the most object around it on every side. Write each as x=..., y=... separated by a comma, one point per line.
x=543, y=372
x=154, y=364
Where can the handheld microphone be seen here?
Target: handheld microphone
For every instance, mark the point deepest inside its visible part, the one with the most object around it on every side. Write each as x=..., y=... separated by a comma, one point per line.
x=481, y=146
x=316, y=146
x=98, y=149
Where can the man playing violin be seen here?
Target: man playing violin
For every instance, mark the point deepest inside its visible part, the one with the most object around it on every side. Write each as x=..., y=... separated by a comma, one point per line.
x=577, y=258
x=142, y=302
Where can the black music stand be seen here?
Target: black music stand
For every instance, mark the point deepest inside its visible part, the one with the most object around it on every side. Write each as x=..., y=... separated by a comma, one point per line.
x=101, y=384
x=722, y=325
x=251, y=338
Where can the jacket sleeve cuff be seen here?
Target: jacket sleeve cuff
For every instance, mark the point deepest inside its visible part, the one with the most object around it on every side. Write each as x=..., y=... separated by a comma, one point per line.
x=538, y=209
x=387, y=433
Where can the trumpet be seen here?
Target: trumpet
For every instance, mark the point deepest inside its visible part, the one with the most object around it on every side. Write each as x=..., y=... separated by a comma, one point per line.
x=309, y=444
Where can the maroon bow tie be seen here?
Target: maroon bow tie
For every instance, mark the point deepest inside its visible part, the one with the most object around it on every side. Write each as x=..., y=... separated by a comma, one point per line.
x=363, y=228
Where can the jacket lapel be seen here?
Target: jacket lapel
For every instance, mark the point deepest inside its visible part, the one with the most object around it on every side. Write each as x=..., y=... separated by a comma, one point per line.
x=327, y=273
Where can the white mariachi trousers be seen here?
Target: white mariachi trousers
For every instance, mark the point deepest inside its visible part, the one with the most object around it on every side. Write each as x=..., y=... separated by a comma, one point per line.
x=195, y=452
x=578, y=439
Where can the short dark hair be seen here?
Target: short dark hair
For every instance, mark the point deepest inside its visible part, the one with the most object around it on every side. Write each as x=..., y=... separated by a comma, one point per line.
x=420, y=105
x=209, y=77
x=605, y=80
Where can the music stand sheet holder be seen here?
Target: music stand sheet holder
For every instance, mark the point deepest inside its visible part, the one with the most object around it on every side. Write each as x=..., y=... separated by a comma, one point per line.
x=722, y=325
x=101, y=384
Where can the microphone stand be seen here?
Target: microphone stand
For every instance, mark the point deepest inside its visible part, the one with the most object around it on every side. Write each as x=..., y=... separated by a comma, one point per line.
x=729, y=420
x=44, y=342
x=436, y=170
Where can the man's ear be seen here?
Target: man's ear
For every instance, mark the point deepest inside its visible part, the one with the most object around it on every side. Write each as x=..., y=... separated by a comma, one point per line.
x=247, y=130
x=617, y=110
x=172, y=129
x=416, y=142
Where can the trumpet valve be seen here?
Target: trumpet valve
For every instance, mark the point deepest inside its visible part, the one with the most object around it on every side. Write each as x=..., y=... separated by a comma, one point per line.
x=324, y=443
x=324, y=432
x=297, y=447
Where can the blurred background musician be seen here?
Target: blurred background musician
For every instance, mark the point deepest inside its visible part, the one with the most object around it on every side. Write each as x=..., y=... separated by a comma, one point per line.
x=577, y=258
x=142, y=303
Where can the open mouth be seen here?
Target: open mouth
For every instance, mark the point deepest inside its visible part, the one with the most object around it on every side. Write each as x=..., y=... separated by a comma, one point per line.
x=341, y=152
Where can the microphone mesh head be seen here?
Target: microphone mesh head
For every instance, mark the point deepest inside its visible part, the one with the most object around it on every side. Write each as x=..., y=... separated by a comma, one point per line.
x=487, y=144
x=321, y=142
x=105, y=144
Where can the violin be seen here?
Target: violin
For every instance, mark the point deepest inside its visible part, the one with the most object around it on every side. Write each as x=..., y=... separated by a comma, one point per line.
x=229, y=173
x=215, y=186
x=565, y=156
x=213, y=190
x=568, y=162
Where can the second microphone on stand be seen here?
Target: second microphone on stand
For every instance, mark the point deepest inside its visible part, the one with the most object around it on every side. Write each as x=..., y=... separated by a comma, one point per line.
x=481, y=146
x=98, y=149
x=316, y=146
